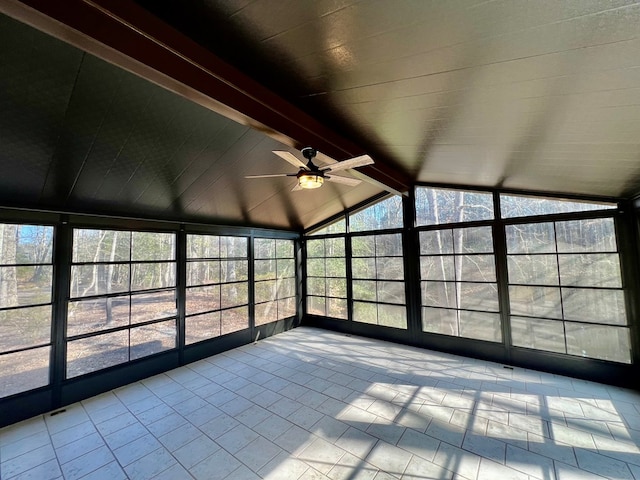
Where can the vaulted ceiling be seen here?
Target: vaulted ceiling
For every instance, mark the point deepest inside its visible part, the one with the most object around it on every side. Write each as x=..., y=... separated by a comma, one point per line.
x=159, y=109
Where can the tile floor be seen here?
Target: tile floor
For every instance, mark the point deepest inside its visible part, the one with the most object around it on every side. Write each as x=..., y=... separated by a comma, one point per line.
x=313, y=404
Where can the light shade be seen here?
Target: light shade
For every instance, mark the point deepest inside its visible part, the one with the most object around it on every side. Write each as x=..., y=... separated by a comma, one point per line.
x=310, y=180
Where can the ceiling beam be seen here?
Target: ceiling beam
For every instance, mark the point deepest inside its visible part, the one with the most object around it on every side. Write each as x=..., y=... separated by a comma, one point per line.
x=123, y=33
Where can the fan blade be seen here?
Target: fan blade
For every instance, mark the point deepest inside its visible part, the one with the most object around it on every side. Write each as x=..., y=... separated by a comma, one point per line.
x=352, y=182
x=326, y=159
x=272, y=175
x=351, y=163
x=291, y=158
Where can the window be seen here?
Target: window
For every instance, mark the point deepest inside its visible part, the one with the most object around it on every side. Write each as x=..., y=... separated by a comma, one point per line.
x=26, y=271
x=217, y=294
x=378, y=280
x=339, y=226
x=383, y=215
x=522, y=206
x=458, y=283
x=436, y=206
x=123, y=298
x=565, y=289
x=327, y=277
x=275, y=280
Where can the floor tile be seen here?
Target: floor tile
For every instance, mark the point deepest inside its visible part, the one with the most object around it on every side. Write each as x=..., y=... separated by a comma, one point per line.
x=356, y=442
x=110, y=471
x=136, y=449
x=196, y=451
x=258, y=453
x=217, y=466
x=537, y=466
x=321, y=455
x=27, y=461
x=419, y=444
x=150, y=465
x=389, y=458
x=456, y=460
x=419, y=468
x=87, y=463
x=82, y=445
x=236, y=438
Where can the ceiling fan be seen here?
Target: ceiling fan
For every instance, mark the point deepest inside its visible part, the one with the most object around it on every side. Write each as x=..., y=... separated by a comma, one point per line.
x=310, y=175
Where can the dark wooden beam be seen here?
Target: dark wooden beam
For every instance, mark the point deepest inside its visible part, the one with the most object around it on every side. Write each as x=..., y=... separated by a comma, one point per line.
x=123, y=33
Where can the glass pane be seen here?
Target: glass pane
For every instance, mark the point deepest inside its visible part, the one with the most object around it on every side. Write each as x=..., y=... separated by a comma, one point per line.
x=336, y=267
x=234, y=270
x=287, y=268
x=145, y=276
x=365, y=312
x=316, y=286
x=479, y=296
x=390, y=268
x=202, y=327
x=538, y=334
x=202, y=299
x=389, y=245
x=477, y=268
x=266, y=313
x=531, y=238
x=86, y=316
x=439, y=294
x=339, y=226
x=203, y=273
x=533, y=269
x=473, y=240
x=101, y=245
x=363, y=246
x=284, y=248
x=233, y=247
x=265, y=269
x=480, y=326
x=440, y=320
x=436, y=206
x=521, y=206
x=286, y=287
x=153, y=306
x=363, y=267
x=335, y=247
x=590, y=270
x=24, y=327
x=264, y=248
x=592, y=235
x=22, y=286
x=316, y=305
x=337, y=308
x=153, y=338
x=382, y=215
x=437, y=268
x=392, y=316
x=286, y=308
x=95, y=353
x=436, y=242
x=233, y=294
x=315, y=267
x=234, y=320
x=152, y=246
x=22, y=371
x=535, y=301
x=391, y=292
x=203, y=246
x=364, y=290
x=337, y=287
x=599, y=306
x=597, y=341
x=265, y=291
x=34, y=244
x=99, y=279
x=315, y=248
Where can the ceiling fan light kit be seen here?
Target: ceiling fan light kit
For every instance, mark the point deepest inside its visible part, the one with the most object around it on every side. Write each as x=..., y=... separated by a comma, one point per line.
x=310, y=180
x=311, y=176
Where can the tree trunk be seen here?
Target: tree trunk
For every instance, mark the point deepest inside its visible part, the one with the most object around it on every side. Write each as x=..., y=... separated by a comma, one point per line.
x=8, y=275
